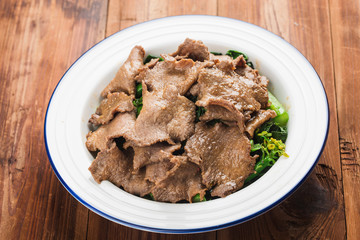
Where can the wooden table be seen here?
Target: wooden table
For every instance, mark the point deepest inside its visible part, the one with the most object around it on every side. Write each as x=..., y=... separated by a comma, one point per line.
x=39, y=41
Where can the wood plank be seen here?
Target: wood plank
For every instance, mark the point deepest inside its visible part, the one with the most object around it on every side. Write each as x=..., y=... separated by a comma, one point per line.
x=345, y=19
x=123, y=14
x=101, y=228
x=316, y=210
x=40, y=40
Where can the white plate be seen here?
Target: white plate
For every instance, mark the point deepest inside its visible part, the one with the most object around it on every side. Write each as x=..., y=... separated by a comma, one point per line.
x=293, y=81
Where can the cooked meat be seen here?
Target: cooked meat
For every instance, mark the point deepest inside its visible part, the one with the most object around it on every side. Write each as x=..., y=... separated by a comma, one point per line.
x=223, y=154
x=157, y=172
x=195, y=50
x=237, y=91
x=121, y=126
x=115, y=102
x=115, y=166
x=225, y=65
x=183, y=184
x=153, y=154
x=152, y=63
x=152, y=157
x=125, y=77
x=182, y=74
x=261, y=117
x=165, y=116
x=253, y=74
x=219, y=112
x=194, y=90
x=217, y=58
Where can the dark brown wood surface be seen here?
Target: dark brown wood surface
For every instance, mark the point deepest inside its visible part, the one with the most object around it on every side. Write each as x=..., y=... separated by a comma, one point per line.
x=41, y=39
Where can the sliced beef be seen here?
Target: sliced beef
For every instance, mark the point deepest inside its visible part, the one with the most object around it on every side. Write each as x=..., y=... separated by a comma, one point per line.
x=153, y=154
x=165, y=116
x=223, y=154
x=216, y=155
x=227, y=63
x=194, y=90
x=230, y=118
x=230, y=89
x=115, y=166
x=260, y=117
x=124, y=80
x=253, y=74
x=182, y=184
x=159, y=171
x=121, y=126
x=115, y=102
x=195, y=50
x=180, y=73
x=218, y=58
x=152, y=63
x=218, y=112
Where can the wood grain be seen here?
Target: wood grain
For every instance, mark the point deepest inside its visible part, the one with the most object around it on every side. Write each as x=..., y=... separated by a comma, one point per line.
x=121, y=15
x=40, y=39
x=296, y=22
x=345, y=20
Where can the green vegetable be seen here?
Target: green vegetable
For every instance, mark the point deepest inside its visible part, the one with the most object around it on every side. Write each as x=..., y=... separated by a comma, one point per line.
x=269, y=149
x=250, y=64
x=199, y=112
x=138, y=101
x=282, y=116
x=213, y=122
x=149, y=196
x=192, y=98
x=196, y=198
x=149, y=57
x=234, y=54
x=216, y=53
x=138, y=90
x=277, y=131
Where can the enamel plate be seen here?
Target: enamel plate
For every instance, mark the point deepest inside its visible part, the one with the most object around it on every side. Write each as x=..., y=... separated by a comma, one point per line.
x=292, y=80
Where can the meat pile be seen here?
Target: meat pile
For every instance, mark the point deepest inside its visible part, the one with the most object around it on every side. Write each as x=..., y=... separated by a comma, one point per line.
x=166, y=151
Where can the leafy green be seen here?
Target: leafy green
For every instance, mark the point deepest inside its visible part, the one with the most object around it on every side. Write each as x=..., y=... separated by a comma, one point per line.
x=277, y=131
x=213, y=122
x=268, y=144
x=192, y=98
x=282, y=116
x=149, y=196
x=138, y=101
x=250, y=64
x=149, y=57
x=196, y=198
x=216, y=53
x=234, y=54
x=138, y=104
x=199, y=112
x=138, y=93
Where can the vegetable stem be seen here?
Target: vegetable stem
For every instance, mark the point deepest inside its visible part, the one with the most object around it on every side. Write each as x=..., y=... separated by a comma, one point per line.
x=282, y=116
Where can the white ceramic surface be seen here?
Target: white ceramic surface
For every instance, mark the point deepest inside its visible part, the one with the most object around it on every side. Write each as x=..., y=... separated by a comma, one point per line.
x=293, y=81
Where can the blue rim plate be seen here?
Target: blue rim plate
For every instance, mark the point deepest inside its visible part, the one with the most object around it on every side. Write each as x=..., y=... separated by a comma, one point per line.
x=293, y=80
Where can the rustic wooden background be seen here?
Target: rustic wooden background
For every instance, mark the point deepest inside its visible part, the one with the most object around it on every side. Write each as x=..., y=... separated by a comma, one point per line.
x=39, y=39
